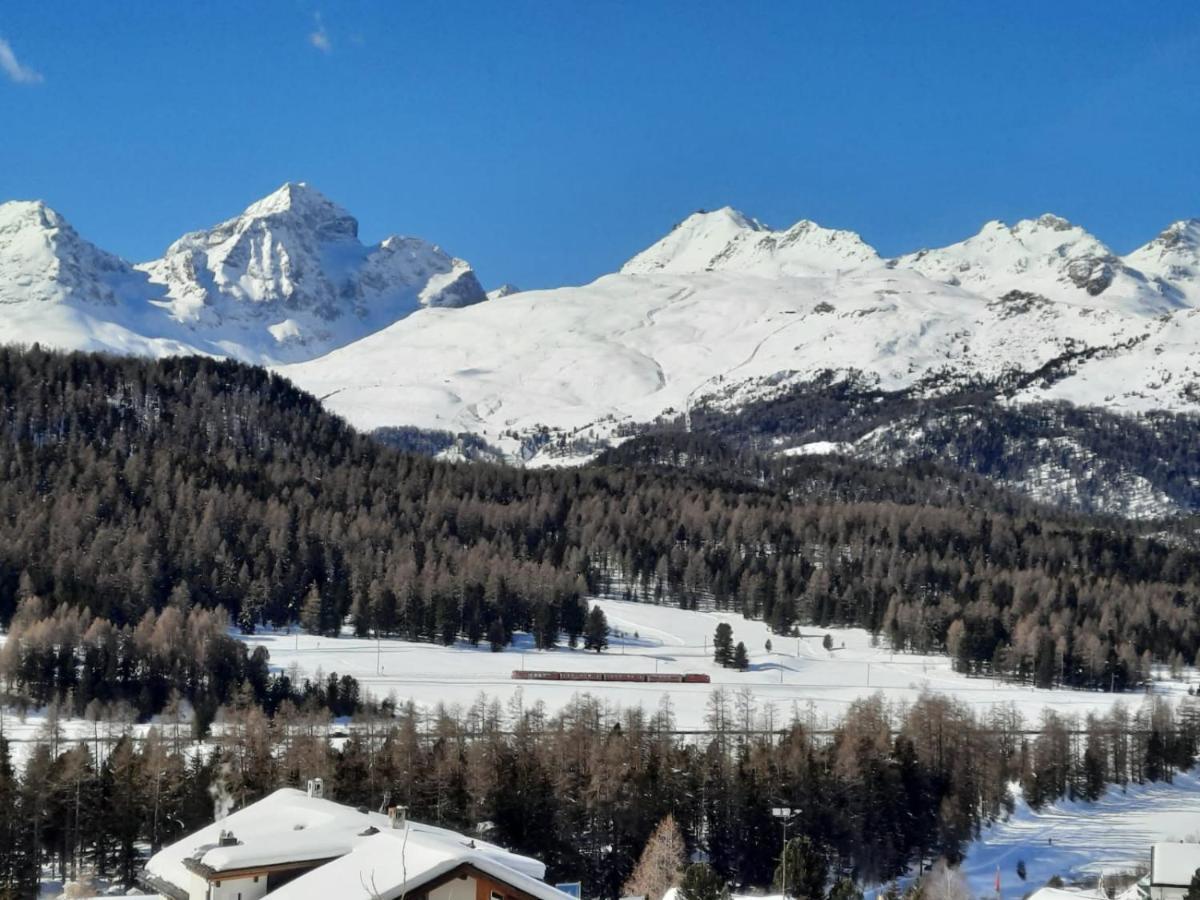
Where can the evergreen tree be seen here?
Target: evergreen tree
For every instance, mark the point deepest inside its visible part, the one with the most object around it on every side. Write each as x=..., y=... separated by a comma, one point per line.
x=723, y=645
x=596, y=631
x=701, y=882
x=741, y=659
x=312, y=611
x=845, y=888
x=807, y=868
x=496, y=636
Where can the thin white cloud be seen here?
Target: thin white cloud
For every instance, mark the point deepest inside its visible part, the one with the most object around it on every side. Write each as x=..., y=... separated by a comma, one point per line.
x=320, y=37
x=13, y=68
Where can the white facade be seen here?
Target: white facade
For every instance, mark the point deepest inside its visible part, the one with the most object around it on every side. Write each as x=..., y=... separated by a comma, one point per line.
x=248, y=887
x=1171, y=869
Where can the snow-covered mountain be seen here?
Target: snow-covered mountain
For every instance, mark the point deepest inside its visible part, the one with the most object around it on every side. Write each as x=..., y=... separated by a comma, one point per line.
x=58, y=289
x=723, y=312
x=287, y=280
x=1172, y=262
x=728, y=241
x=505, y=290
x=1054, y=258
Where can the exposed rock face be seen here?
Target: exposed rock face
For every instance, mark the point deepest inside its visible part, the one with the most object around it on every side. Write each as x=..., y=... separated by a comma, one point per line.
x=289, y=279
x=1093, y=274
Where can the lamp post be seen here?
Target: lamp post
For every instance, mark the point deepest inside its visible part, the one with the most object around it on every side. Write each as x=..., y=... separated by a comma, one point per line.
x=785, y=814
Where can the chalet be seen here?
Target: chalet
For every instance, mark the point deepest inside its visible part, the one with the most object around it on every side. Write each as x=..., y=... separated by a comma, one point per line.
x=296, y=845
x=1171, y=869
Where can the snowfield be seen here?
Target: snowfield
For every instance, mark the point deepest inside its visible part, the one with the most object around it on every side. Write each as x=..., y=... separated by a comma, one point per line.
x=798, y=674
x=1081, y=840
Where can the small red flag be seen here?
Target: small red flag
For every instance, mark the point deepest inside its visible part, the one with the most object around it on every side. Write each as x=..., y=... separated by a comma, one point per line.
x=997, y=879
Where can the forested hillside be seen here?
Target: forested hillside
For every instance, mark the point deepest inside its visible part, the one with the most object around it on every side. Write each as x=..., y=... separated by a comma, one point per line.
x=131, y=487
x=1082, y=458
x=147, y=507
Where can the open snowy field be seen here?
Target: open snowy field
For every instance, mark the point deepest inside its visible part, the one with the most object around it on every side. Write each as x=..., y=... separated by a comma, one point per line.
x=1078, y=840
x=796, y=673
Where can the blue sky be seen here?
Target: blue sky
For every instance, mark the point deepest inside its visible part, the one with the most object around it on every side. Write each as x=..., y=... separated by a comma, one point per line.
x=546, y=142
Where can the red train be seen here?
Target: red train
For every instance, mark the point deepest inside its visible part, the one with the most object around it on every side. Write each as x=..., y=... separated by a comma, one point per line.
x=689, y=678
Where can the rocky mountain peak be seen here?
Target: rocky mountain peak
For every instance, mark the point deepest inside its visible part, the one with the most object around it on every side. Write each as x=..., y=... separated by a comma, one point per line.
x=727, y=240
x=299, y=203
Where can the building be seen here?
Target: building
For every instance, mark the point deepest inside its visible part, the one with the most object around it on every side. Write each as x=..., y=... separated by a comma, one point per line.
x=295, y=845
x=1171, y=869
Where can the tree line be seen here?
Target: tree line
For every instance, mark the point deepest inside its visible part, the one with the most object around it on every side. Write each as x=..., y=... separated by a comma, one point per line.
x=583, y=789
x=127, y=483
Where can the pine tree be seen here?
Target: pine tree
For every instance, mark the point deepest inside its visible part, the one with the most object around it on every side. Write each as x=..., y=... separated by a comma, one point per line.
x=496, y=636
x=596, y=632
x=723, y=645
x=741, y=659
x=312, y=612
x=807, y=867
x=701, y=882
x=660, y=864
x=845, y=888
x=9, y=826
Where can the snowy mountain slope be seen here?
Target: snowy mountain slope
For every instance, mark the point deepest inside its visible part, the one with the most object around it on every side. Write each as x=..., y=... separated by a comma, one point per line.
x=1054, y=258
x=721, y=312
x=286, y=280
x=505, y=290
x=61, y=290
x=728, y=241
x=1172, y=261
x=628, y=348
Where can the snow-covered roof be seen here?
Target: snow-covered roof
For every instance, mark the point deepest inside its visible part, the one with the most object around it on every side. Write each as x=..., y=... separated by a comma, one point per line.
x=289, y=826
x=1174, y=864
x=1050, y=893
x=386, y=866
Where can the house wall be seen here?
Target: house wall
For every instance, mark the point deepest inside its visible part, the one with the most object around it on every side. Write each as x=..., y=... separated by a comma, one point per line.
x=471, y=888
x=455, y=889
x=196, y=887
x=486, y=889
x=247, y=888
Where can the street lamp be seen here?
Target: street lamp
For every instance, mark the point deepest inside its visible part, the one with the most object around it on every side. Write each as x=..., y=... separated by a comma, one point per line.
x=785, y=814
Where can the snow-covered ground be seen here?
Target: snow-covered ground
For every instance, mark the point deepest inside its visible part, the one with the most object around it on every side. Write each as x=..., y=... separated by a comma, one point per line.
x=797, y=674
x=1072, y=840
x=1081, y=840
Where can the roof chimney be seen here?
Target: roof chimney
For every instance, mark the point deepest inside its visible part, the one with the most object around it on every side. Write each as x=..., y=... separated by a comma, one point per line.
x=398, y=816
x=316, y=788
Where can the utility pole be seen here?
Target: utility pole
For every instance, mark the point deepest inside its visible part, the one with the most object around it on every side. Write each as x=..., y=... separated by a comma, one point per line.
x=785, y=815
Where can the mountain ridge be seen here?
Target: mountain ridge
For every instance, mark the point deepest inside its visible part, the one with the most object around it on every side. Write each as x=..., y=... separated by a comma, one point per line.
x=285, y=280
x=721, y=313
